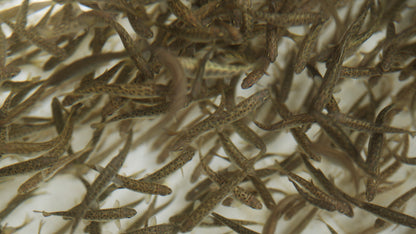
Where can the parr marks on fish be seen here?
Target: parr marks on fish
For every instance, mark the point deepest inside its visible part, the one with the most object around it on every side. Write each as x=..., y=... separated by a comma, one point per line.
x=97, y=215
x=211, y=201
x=185, y=156
x=102, y=180
x=287, y=19
x=142, y=186
x=233, y=225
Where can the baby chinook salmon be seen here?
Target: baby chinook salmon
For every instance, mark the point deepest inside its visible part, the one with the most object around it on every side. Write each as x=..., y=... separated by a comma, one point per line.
x=160, y=228
x=212, y=69
x=47, y=173
x=212, y=200
x=397, y=204
x=233, y=225
x=185, y=156
x=307, y=46
x=102, y=180
x=125, y=90
x=239, y=193
x=366, y=126
x=320, y=198
x=340, y=138
x=291, y=122
x=220, y=118
x=287, y=19
x=97, y=215
x=242, y=162
x=48, y=158
x=142, y=186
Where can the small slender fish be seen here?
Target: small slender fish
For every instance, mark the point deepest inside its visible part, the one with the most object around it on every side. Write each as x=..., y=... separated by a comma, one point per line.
x=239, y=193
x=250, y=136
x=160, y=228
x=313, y=200
x=46, y=174
x=291, y=122
x=330, y=79
x=273, y=34
x=185, y=156
x=287, y=19
x=304, y=222
x=211, y=201
x=97, y=215
x=150, y=211
x=198, y=34
x=14, y=203
x=366, y=126
x=142, y=186
x=102, y=180
x=125, y=90
x=47, y=159
x=332, y=105
x=221, y=118
x=375, y=147
x=359, y=72
x=242, y=162
x=295, y=209
x=247, y=198
x=235, y=226
x=340, y=138
x=212, y=70
x=302, y=139
x=288, y=76
x=254, y=76
x=322, y=199
x=277, y=212
x=397, y=204
x=384, y=212
x=334, y=64
x=216, y=223
x=307, y=46
x=206, y=159
x=341, y=205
